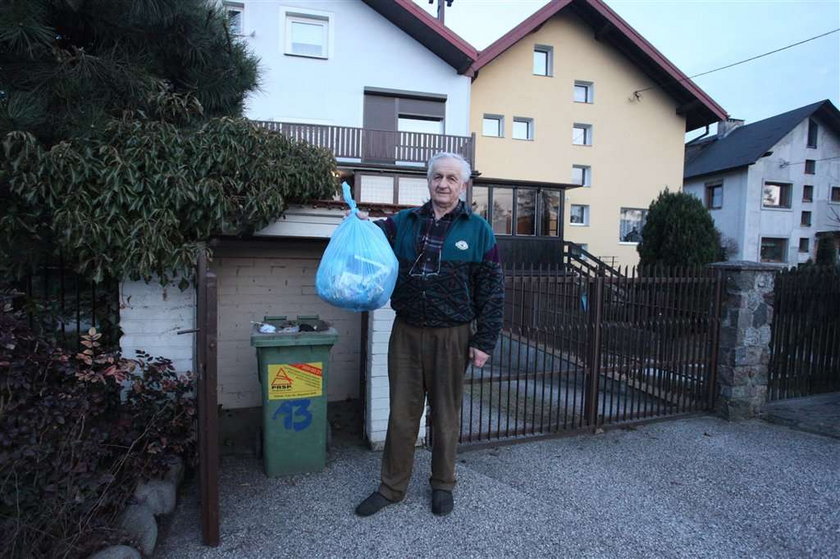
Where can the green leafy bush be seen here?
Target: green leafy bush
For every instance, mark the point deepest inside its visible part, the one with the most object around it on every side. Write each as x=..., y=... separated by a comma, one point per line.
x=138, y=200
x=679, y=232
x=77, y=433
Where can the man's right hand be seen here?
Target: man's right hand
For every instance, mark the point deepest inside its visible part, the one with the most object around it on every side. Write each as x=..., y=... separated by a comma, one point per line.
x=360, y=214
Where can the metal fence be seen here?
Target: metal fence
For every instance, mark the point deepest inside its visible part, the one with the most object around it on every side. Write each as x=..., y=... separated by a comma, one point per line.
x=581, y=352
x=805, y=344
x=62, y=306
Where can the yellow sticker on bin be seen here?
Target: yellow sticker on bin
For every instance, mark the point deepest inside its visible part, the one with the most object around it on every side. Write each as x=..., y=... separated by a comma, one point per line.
x=295, y=380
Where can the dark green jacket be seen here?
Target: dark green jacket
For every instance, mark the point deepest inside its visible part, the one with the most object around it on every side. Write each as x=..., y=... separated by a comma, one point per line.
x=470, y=285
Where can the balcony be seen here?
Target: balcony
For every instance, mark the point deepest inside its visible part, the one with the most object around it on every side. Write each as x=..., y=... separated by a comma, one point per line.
x=364, y=145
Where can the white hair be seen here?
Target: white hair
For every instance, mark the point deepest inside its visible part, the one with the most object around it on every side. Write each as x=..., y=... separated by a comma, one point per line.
x=465, y=167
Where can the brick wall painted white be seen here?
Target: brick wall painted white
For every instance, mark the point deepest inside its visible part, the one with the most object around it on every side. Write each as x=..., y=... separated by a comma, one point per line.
x=276, y=281
x=150, y=316
x=377, y=405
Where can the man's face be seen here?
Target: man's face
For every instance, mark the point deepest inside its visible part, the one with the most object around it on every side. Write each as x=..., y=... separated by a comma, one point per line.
x=446, y=186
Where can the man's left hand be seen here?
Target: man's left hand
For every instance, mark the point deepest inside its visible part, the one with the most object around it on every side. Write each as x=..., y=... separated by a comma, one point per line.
x=477, y=357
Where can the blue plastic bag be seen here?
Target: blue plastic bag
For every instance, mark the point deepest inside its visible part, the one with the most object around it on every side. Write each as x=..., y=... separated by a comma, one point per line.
x=358, y=270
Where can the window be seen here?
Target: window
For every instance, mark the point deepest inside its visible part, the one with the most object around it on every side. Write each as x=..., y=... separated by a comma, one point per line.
x=235, y=13
x=776, y=195
x=582, y=135
x=550, y=210
x=307, y=35
x=813, y=132
x=493, y=125
x=480, y=201
x=543, y=62
x=835, y=194
x=582, y=175
x=579, y=214
x=520, y=211
x=425, y=125
x=714, y=195
x=805, y=220
x=376, y=189
x=808, y=193
x=526, y=211
x=810, y=167
x=583, y=92
x=804, y=244
x=631, y=224
x=773, y=249
x=523, y=128
x=412, y=191
x=502, y=214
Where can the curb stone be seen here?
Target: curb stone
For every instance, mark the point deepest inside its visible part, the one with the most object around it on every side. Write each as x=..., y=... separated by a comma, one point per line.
x=139, y=522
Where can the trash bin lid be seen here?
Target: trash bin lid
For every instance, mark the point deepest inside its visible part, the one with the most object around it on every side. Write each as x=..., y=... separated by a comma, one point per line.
x=294, y=334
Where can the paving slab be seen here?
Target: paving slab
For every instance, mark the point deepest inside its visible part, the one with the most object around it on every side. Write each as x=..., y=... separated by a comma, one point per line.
x=815, y=414
x=691, y=487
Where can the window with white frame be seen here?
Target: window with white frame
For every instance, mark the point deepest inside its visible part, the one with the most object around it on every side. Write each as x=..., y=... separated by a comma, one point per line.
x=834, y=195
x=579, y=214
x=235, y=13
x=630, y=225
x=307, y=34
x=543, y=60
x=582, y=134
x=582, y=175
x=493, y=125
x=805, y=219
x=583, y=92
x=523, y=128
x=774, y=249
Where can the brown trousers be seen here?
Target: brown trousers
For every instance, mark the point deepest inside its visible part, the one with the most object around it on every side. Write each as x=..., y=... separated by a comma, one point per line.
x=423, y=361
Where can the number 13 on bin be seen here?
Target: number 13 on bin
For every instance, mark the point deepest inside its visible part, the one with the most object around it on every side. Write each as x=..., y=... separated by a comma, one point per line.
x=295, y=414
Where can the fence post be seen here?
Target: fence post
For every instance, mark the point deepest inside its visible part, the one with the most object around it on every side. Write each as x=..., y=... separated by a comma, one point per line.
x=596, y=302
x=744, y=350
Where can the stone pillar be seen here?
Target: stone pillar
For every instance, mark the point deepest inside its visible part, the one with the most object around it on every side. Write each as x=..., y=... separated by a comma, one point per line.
x=744, y=352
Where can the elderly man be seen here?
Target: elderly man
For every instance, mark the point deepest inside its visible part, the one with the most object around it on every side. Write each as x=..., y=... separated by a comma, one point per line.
x=448, y=300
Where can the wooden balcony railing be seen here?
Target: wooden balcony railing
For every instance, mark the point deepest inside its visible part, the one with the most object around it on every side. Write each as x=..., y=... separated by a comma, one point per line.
x=376, y=146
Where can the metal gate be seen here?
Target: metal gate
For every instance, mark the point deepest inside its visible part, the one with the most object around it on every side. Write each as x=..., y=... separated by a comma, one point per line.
x=577, y=352
x=805, y=345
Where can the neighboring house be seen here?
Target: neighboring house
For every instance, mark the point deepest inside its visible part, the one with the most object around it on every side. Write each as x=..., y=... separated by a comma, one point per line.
x=574, y=95
x=772, y=186
x=380, y=83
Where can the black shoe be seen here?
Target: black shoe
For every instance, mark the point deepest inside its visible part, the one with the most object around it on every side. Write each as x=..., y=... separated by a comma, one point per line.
x=442, y=502
x=373, y=504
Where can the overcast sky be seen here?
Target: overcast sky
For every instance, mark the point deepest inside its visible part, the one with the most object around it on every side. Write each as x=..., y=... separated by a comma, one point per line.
x=699, y=36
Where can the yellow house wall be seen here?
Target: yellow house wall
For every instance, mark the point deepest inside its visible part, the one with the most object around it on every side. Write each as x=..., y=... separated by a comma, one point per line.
x=637, y=147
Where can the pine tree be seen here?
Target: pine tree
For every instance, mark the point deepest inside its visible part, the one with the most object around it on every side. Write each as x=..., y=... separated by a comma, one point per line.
x=826, y=251
x=679, y=232
x=66, y=66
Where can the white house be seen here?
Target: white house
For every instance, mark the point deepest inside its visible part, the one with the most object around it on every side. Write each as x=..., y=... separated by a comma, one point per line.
x=773, y=185
x=383, y=85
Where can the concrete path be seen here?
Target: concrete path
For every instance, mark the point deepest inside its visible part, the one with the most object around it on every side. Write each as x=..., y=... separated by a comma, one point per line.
x=694, y=487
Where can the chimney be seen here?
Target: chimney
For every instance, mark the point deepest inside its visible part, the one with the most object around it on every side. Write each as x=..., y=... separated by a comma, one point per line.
x=725, y=127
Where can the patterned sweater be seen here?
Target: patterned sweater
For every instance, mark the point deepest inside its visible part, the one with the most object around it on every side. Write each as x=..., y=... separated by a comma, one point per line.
x=450, y=280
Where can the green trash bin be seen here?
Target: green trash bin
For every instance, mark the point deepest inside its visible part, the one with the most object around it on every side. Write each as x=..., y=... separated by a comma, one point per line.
x=293, y=372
